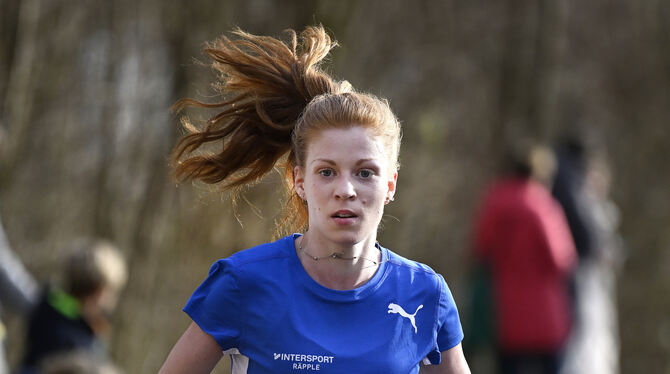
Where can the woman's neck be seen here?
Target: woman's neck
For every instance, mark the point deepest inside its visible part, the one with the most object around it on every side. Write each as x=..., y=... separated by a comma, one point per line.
x=338, y=267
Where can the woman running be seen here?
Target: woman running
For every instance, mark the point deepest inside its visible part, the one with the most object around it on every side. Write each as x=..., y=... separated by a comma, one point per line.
x=331, y=299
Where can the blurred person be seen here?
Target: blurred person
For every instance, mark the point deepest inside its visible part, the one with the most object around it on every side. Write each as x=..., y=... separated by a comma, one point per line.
x=18, y=290
x=569, y=187
x=331, y=298
x=75, y=316
x=522, y=238
x=582, y=187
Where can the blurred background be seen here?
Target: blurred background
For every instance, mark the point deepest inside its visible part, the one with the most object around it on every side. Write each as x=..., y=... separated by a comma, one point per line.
x=86, y=130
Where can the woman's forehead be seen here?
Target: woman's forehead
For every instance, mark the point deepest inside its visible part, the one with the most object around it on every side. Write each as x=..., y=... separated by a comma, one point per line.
x=354, y=140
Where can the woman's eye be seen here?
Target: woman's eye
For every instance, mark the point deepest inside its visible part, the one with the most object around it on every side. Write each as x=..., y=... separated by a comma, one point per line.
x=326, y=172
x=365, y=173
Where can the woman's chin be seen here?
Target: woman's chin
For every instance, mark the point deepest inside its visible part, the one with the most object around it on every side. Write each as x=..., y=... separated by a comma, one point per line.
x=349, y=238
x=343, y=236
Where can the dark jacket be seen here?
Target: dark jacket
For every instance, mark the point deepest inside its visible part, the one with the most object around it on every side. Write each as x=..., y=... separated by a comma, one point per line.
x=56, y=326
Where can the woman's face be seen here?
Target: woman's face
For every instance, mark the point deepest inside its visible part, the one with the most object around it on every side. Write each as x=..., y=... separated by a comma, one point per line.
x=346, y=181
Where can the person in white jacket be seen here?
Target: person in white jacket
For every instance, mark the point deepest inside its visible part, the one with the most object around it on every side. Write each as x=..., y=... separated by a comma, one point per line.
x=18, y=290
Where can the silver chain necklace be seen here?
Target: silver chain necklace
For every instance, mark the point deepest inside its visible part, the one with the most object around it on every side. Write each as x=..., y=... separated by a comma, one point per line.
x=335, y=255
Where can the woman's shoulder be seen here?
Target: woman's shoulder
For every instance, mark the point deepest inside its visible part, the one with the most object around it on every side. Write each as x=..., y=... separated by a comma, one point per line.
x=418, y=278
x=266, y=252
x=415, y=272
x=252, y=264
x=404, y=263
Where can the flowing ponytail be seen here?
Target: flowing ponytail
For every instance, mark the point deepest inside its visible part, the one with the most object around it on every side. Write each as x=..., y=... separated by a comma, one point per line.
x=267, y=84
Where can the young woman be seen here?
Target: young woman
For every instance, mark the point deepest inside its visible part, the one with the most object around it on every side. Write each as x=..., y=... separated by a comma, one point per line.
x=332, y=299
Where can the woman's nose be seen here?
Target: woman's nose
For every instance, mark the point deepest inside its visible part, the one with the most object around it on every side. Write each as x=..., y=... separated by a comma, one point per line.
x=345, y=189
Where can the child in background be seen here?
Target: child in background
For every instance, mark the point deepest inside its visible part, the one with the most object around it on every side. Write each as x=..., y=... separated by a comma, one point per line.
x=74, y=317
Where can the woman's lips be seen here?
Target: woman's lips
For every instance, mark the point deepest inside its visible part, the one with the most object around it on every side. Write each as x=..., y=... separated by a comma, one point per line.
x=344, y=217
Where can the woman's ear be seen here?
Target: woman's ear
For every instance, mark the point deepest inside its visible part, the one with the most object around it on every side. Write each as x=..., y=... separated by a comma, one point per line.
x=299, y=181
x=392, y=183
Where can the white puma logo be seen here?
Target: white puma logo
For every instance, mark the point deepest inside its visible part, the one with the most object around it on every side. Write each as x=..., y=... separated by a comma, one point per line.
x=395, y=308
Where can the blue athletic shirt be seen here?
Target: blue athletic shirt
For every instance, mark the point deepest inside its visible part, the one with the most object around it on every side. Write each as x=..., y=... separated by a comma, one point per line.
x=263, y=309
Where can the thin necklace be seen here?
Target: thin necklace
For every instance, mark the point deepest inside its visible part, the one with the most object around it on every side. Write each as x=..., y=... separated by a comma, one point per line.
x=335, y=255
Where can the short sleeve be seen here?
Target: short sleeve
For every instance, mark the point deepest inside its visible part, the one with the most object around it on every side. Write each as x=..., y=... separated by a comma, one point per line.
x=215, y=305
x=449, y=330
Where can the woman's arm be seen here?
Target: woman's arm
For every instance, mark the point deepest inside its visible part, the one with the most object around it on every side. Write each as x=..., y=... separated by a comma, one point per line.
x=196, y=352
x=453, y=362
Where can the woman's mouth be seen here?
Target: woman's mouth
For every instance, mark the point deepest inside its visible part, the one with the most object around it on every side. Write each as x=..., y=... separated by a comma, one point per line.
x=344, y=217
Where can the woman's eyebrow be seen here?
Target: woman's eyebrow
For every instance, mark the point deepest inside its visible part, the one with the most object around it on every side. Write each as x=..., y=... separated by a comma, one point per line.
x=364, y=160
x=328, y=161
x=331, y=162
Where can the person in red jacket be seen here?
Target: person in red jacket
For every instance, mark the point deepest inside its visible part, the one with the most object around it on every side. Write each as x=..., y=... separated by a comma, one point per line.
x=522, y=236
